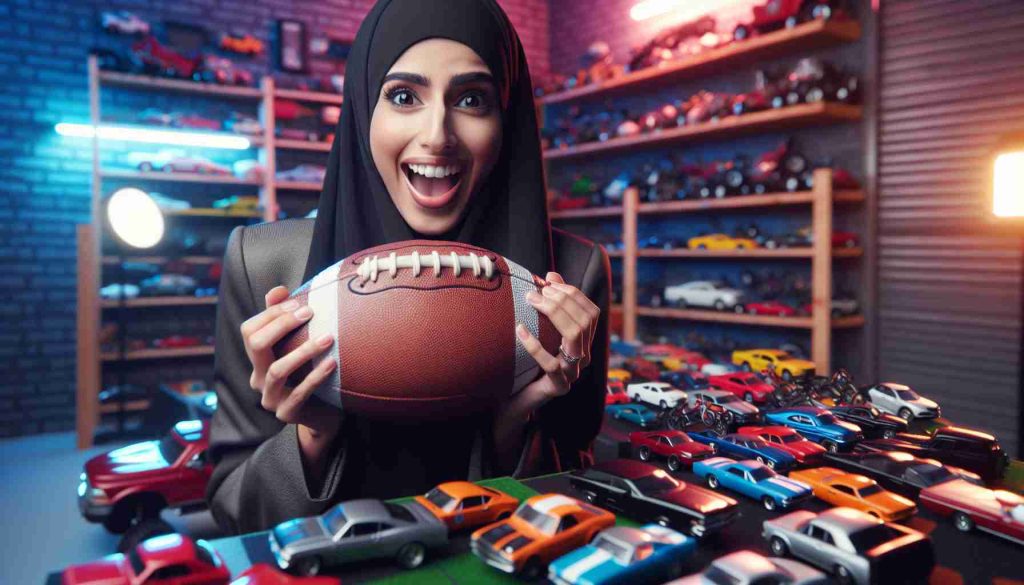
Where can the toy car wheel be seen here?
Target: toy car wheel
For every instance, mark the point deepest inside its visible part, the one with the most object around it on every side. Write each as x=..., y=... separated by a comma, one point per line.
x=738, y=308
x=411, y=555
x=778, y=547
x=136, y=533
x=906, y=415
x=791, y=22
x=635, y=398
x=740, y=33
x=532, y=569
x=963, y=522
x=133, y=510
x=645, y=453
x=843, y=575
x=747, y=368
x=309, y=566
x=888, y=434
x=712, y=482
x=830, y=446
x=751, y=311
x=748, y=397
x=663, y=405
x=719, y=305
x=768, y=503
x=673, y=463
x=145, y=166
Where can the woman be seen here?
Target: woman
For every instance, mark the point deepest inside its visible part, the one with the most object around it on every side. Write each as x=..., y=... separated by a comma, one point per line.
x=437, y=139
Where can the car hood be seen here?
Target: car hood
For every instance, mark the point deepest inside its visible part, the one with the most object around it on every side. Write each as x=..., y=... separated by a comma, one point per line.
x=798, y=364
x=299, y=532
x=692, y=497
x=110, y=569
x=805, y=448
x=784, y=487
x=889, y=502
x=134, y=460
x=742, y=407
x=586, y=565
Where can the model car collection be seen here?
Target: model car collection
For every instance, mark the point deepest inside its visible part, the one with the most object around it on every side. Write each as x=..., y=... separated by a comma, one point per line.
x=754, y=480
x=651, y=554
x=964, y=448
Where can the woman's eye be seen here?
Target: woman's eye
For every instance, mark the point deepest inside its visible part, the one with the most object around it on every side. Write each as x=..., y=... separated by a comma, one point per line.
x=473, y=100
x=400, y=97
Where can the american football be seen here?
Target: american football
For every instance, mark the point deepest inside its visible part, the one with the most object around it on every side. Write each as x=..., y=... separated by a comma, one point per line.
x=422, y=328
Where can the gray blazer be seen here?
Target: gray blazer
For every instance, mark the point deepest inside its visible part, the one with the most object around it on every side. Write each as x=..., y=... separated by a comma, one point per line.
x=258, y=478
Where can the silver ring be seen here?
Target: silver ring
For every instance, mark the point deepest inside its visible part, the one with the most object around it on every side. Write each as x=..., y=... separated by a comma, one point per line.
x=568, y=358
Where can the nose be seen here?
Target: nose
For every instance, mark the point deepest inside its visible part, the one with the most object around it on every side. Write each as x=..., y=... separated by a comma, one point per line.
x=438, y=136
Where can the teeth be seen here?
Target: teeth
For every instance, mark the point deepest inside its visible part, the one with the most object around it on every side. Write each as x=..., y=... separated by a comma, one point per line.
x=434, y=172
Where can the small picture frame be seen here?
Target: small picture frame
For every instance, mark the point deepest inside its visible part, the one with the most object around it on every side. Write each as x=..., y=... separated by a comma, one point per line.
x=292, y=47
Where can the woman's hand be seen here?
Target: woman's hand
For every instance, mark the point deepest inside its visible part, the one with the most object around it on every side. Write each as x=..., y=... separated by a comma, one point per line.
x=575, y=317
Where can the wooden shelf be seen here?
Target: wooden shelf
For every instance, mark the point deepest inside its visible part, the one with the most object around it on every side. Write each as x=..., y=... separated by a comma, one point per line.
x=159, y=302
x=159, y=353
x=801, y=38
x=182, y=85
x=177, y=177
x=212, y=212
x=740, y=254
x=303, y=145
x=129, y=406
x=309, y=96
x=298, y=186
x=615, y=253
x=743, y=318
x=612, y=211
x=744, y=202
x=776, y=119
x=114, y=260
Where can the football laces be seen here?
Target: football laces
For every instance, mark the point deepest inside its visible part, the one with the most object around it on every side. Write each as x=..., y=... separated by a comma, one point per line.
x=370, y=267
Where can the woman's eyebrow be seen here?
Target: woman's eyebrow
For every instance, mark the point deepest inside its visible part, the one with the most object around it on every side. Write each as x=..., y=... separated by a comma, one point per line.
x=460, y=79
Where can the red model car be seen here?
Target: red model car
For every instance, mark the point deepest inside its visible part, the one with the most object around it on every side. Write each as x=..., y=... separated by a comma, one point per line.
x=972, y=506
x=844, y=240
x=788, y=440
x=675, y=446
x=643, y=368
x=155, y=59
x=177, y=341
x=172, y=559
x=770, y=308
x=616, y=393
x=747, y=385
x=264, y=574
x=135, y=482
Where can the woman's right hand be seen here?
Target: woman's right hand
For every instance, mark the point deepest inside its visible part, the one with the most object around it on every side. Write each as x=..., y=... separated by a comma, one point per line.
x=269, y=372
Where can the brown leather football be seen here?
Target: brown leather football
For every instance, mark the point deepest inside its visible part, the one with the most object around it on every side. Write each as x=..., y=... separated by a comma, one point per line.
x=422, y=329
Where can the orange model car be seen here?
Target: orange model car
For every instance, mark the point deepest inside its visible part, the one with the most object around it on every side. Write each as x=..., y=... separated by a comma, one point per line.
x=840, y=488
x=462, y=504
x=544, y=528
x=244, y=44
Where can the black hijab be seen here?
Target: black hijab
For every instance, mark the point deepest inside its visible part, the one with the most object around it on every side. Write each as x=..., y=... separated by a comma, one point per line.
x=508, y=214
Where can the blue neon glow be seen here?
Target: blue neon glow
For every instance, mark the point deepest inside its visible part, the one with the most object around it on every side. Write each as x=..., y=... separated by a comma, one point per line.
x=155, y=136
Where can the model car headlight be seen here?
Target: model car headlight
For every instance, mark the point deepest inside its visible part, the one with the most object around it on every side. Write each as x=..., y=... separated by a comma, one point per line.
x=685, y=454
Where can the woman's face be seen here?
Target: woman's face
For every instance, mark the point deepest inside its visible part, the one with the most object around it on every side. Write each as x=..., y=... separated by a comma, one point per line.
x=435, y=132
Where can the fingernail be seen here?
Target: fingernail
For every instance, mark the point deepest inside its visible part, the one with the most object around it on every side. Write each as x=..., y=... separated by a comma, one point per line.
x=521, y=332
x=325, y=339
x=304, y=313
x=290, y=305
x=533, y=297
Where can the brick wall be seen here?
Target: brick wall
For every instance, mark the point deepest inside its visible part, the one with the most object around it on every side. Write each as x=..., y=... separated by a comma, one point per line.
x=45, y=180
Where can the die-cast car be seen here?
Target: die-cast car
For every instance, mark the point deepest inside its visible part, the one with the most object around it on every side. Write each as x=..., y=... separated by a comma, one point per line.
x=965, y=448
x=244, y=44
x=852, y=545
x=872, y=421
x=676, y=447
x=621, y=554
x=637, y=414
x=747, y=385
x=303, y=174
x=819, y=425
x=133, y=483
x=746, y=567
x=784, y=365
x=462, y=504
x=720, y=242
x=183, y=164
x=853, y=490
x=619, y=374
x=740, y=446
x=118, y=290
x=686, y=380
x=657, y=394
x=638, y=366
x=646, y=493
x=788, y=440
x=357, y=530
x=169, y=559
x=972, y=506
x=742, y=411
x=754, y=480
x=168, y=285
x=264, y=574
x=900, y=472
x=616, y=393
x=706, y=294
x=124, y=23
x=770, y=308
x=902, y=401
x=542, y=529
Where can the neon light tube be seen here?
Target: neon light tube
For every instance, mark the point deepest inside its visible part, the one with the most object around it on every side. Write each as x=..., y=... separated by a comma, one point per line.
x=154, y=136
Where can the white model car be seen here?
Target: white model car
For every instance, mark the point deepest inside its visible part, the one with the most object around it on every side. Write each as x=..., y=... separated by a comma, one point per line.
x=124, y=22
x=718, y=369
x=303, y=174
x=704, y=293
x=657, y=393
x=900, y=400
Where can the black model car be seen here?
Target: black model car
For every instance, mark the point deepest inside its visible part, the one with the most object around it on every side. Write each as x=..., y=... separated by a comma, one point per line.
x=647, y=493
x=899, y=472
x=875, y=423
x=966, y=448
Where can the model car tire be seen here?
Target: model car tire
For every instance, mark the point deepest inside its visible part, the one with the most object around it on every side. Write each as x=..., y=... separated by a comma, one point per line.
x=145, y=166
x=309, y=566
x=740, y=33
x=719, y=305
x=144, y=530
x=133, y=510
x=778, y=547
x=712, y=482
x=673, y=463
x=963, y=522
x=738, y=309
x=644, y=453
x=843, y=575
x=411, y=555
x=532, y=569
x=906, y=415
x=830, y=446
x=768, y=503
x=662, y=405
x=748, y=397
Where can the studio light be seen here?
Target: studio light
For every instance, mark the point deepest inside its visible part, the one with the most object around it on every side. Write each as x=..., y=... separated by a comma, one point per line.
x=1008, y=184
x=680, y=9
x=135, y=218
x=155, y=136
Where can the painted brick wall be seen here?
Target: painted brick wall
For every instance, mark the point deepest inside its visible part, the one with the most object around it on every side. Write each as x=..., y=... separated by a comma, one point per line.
x=44, y=179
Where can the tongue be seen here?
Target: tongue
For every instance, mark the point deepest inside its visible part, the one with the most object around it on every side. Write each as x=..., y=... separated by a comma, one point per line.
x=433, y=187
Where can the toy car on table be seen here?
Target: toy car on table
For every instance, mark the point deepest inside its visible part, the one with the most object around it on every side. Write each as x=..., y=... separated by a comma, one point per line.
x=676, y=447
x=742, y=412
x=739, y=446
x=873, y=422
x=964, y=448
x=747, y=567
x=902, y=401
x=819, y=425
x=637, y=414
x=462, y=504
x=616, y=393
x=660, y=394
x=788, y=440
x=777, y=361
x=754, y=480
x=853, y=490
x=747, y=385
x=264, y=574
x=169, y=559
x=649, y=555
x=971, y=507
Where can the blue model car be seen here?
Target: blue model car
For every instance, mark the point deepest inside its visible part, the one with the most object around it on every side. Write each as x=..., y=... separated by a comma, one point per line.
x=625, y=555
x=686, y=380
x=754, y=480
x=818, y=425
x=637, y=414
x=740, y=446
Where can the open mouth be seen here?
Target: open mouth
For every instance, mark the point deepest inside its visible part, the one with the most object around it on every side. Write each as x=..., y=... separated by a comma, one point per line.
x=433, y=186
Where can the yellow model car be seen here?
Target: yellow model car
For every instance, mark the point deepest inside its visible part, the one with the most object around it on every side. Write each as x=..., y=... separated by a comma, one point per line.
x=784, y=365
x=620, y=375
x=840, y=488
x=720, y=242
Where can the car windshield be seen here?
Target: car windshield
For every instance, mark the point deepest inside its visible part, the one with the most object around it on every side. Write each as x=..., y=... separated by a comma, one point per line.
x=869, y=538
x=791, y=438
x=907, y=394
x=826, y=419
x=441, y=499
x=727, y=399
x=742, y=381
x=756, y=443
x=868, y=491
x=334, y=519
x=613, y=547
x=658, y=481
x=170, y=448
x=720, y=577
x=539, y=520
x=761, y=473
x=399, y=512
x=932, y=474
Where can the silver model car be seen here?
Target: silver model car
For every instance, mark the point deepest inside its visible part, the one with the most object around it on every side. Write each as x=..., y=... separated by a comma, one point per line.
x=746, y=567
x=357, y=530
x=902, y=401
x=704, y=293
x=742, y=411
x=854, y=546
